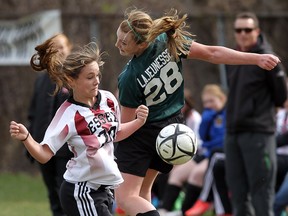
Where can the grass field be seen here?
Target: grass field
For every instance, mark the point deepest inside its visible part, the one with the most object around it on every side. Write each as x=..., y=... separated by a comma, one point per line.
x=23, y=195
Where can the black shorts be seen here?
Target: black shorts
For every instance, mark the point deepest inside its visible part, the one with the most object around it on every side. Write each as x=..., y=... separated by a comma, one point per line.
x=136, y=154
x=78, y=199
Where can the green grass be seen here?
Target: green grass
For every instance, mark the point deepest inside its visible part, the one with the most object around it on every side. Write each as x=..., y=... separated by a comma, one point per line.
x=23, y=195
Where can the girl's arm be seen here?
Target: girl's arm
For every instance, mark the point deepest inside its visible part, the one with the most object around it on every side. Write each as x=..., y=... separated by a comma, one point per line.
x=41, y=153
x=223, y=55
x=131, y=124
x=127, y=114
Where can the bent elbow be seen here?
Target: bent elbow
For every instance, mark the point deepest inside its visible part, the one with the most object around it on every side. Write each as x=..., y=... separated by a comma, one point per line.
x=43, y=160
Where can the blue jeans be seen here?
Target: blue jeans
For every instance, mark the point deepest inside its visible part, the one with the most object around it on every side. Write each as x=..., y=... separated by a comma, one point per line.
x=281, y=198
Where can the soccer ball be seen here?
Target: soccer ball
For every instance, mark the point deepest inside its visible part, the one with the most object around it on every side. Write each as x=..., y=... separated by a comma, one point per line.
x=176, y=144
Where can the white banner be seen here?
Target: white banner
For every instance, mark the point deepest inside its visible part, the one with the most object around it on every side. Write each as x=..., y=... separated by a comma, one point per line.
x=18, y=38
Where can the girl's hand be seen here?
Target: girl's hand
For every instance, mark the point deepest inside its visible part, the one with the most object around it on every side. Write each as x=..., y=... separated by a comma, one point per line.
x=18, y=131
x=142, y=113
x=268, y=61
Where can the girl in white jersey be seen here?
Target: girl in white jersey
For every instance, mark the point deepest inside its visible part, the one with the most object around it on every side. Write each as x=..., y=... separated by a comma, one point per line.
x=89, y=122
x=154, y=77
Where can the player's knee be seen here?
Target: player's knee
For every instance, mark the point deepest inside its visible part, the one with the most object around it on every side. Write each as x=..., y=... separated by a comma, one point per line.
x=146, y=195
x=196, y=178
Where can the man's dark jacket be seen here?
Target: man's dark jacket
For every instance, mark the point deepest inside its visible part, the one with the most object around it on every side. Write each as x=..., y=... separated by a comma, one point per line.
x=253, y=94
x=42, y=109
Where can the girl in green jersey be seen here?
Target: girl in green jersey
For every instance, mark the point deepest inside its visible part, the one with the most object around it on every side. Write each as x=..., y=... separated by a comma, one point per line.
x=154, y=77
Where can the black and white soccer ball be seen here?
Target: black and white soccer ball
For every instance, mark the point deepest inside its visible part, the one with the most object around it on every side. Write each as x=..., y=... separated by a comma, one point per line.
x=176, y=144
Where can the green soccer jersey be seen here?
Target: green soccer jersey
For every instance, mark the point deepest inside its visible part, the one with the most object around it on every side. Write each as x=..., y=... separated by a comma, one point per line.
x=153, y=79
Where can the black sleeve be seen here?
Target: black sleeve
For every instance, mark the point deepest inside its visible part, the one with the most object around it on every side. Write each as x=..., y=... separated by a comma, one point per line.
x=32, y=107
x=277, y=81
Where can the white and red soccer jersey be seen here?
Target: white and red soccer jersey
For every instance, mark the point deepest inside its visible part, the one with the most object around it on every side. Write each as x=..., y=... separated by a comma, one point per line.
x=89, y=133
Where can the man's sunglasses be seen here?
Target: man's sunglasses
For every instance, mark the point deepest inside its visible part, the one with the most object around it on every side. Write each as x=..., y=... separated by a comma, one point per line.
x=246, y=30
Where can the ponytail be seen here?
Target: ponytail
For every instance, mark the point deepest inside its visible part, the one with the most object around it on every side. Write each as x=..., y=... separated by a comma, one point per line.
x=144, y=29
x=179, y=40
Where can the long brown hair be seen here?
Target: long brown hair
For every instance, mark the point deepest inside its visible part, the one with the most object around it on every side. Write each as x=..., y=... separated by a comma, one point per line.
x=63, y=70
x=145, y=29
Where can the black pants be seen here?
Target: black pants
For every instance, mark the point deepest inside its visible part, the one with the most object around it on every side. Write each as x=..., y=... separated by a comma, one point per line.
x=80, y=200
x=251, y=172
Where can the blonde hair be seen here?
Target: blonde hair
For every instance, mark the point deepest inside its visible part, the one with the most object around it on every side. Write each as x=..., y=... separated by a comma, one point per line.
x=61, y=70
x=144, y=29
x=215, y=90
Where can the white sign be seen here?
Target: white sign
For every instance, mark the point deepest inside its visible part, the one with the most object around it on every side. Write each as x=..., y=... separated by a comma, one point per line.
x=18, y=38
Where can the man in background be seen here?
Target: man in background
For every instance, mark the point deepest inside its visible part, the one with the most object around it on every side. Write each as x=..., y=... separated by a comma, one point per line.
x=250, y=145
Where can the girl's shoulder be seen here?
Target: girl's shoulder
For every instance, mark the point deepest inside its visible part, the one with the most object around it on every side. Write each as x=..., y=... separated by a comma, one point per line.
x=107, y=94
x=108, y=98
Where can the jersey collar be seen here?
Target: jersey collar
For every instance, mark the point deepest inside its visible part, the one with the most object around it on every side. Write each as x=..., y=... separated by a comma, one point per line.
x=96, y=105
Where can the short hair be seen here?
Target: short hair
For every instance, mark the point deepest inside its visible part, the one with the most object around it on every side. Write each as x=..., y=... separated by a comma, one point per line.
x=249, y=15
